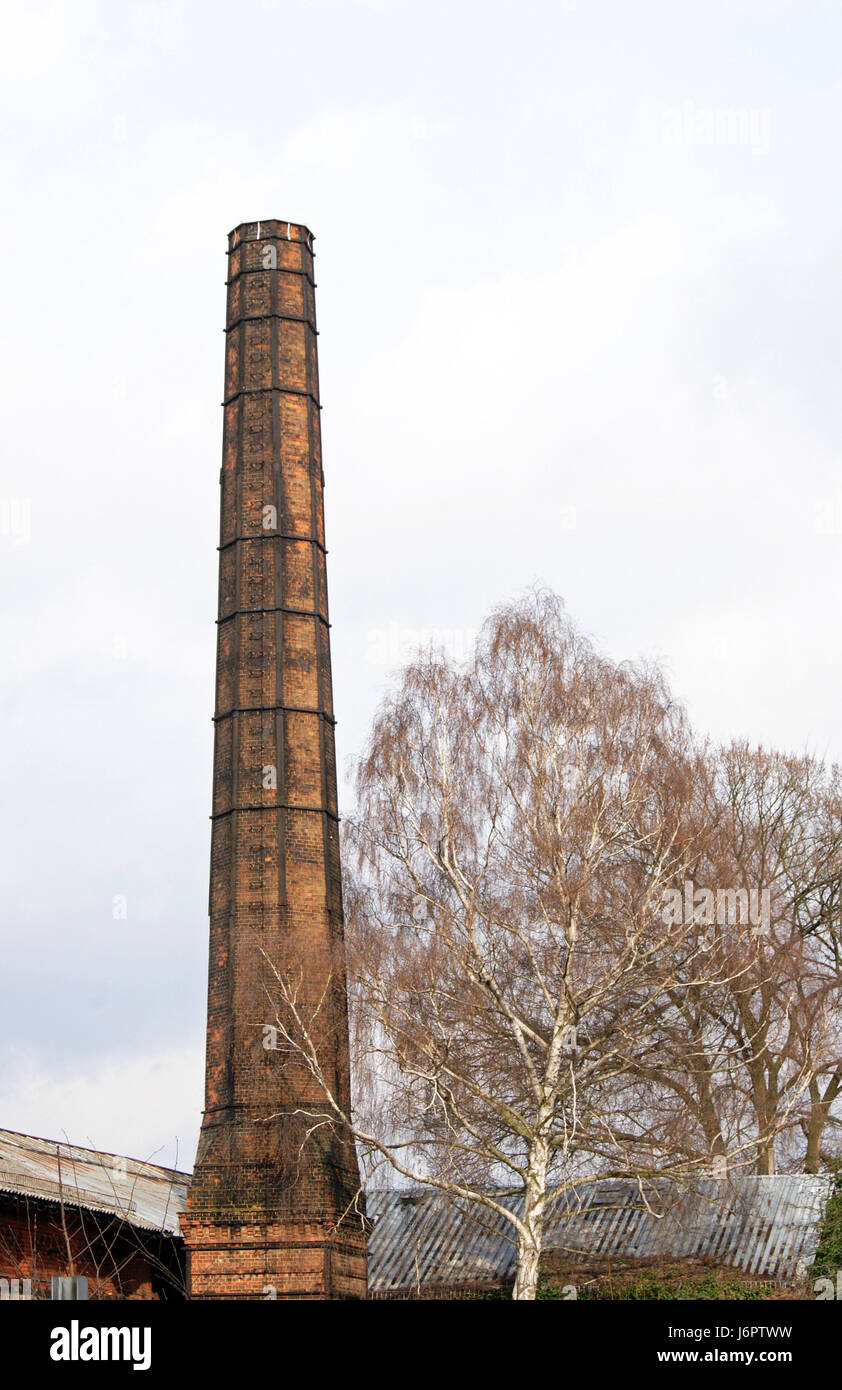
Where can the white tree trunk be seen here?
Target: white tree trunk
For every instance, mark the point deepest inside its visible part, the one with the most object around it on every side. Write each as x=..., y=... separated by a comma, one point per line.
x=531, y=1241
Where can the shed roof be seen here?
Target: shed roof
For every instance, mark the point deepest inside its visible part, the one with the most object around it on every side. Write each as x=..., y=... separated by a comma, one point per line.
x=766, y=1226
x=143, y=1194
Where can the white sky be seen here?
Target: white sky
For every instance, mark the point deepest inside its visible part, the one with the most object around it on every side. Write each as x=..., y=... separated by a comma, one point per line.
x=579, y=305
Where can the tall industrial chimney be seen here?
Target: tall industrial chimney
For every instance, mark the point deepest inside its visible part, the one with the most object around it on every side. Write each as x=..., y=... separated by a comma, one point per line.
x=273, y=1210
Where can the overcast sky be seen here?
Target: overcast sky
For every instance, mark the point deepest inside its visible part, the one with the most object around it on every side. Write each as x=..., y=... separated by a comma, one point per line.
x=579, y=301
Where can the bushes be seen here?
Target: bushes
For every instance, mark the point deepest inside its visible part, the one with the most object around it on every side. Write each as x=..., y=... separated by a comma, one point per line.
x=651, y=1285
x=687, y=1281
x=829, y=1254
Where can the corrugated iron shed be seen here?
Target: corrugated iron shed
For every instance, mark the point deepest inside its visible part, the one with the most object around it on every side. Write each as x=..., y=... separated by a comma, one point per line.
x=766, y=1226
x=143, y=1194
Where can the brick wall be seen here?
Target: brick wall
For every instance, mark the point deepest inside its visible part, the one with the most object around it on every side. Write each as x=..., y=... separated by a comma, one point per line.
x=118, y=1261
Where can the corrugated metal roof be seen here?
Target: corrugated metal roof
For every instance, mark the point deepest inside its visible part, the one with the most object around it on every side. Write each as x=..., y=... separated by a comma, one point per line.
x=143, y=1194
x=767, y=1226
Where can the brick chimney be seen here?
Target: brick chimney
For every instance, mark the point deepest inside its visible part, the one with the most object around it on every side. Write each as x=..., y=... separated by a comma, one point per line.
x=273, y=1213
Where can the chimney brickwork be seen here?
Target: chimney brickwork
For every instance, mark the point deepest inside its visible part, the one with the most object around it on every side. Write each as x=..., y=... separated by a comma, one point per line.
x=273, y=1212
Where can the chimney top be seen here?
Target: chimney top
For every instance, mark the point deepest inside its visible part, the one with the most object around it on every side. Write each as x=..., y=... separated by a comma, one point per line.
x=270, y=229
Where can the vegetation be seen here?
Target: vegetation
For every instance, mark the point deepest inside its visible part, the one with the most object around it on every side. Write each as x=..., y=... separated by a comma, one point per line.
x=829, y=1254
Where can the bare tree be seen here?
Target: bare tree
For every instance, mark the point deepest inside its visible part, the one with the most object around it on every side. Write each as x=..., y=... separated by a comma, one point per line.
x=756, y=1061
x=509, y=958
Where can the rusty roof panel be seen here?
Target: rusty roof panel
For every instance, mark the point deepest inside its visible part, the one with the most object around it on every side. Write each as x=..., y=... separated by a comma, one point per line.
x=143, y=1194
